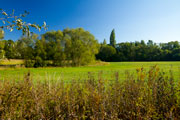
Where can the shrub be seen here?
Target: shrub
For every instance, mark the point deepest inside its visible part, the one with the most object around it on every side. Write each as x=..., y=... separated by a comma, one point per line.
x=29, y=63
x=39, y=62
x=149, y=95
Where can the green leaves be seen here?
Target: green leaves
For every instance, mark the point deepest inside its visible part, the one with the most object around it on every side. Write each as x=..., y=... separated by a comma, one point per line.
x=1, y=34
x=11, y=29
x=4, y=13
x=4, y=22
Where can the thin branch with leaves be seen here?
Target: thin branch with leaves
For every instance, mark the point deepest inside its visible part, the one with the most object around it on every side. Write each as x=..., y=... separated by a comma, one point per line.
x=12, y=21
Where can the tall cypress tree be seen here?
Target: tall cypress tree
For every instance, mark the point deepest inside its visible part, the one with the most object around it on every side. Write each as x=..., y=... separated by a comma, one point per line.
x=112, y=38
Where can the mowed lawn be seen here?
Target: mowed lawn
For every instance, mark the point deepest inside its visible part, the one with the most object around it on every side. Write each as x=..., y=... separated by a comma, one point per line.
x=67, y=74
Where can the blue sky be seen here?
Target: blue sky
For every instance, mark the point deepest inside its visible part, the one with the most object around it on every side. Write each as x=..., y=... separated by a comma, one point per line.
x=133, y=20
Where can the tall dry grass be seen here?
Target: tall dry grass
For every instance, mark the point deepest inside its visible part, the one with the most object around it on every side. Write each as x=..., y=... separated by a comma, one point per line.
x=150, y=95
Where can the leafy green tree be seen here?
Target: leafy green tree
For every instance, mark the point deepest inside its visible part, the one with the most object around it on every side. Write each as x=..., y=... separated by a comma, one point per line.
x=10, y=49
x=153, y=51
x=127, y=50
x=29, y=53
x=176, y=54
x=82, y=46
x=25, y=47
x=51, y=40
x=59, y=56
x=59, y=59
x=20, y=48
x=68, y=46
x=112, y=39
x=106, y=53
x=40, y=49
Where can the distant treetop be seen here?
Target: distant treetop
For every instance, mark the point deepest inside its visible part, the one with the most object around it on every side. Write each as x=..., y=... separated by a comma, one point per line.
x=112, y=38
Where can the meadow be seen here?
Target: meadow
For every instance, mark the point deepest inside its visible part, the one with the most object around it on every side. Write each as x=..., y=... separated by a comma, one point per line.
x=67, y=74
x=151, y=95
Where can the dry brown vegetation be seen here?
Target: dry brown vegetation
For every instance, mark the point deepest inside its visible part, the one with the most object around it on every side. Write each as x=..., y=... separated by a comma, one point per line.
x=150, y=95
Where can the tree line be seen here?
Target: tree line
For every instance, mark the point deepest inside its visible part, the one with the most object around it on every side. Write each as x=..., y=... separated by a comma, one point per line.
x=138, y=51
x=75, y=47
x=70, y=47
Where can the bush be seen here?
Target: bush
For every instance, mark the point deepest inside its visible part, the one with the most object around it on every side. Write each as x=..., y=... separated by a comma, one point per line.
x=150, y=95
x=39, y=62
x=29, y=63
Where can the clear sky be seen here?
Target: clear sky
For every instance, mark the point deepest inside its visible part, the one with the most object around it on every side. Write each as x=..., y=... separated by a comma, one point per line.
x=133, y=20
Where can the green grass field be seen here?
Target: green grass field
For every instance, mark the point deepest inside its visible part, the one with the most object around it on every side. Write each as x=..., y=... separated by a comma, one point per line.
x=81, y=73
